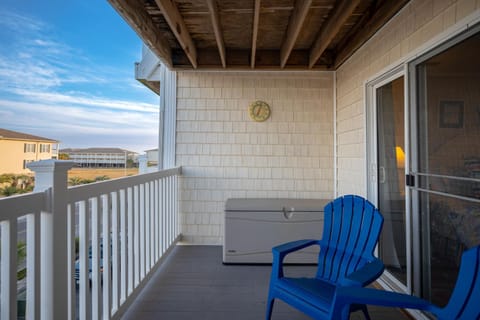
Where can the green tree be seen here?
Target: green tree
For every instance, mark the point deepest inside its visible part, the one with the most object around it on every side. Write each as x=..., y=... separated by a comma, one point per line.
x=8, y=191
x=75, y=181
x=63, y=156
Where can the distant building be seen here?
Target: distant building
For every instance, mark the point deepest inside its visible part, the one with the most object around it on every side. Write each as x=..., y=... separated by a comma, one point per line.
x=100, y=157
x=17, y=149
x=152, y=157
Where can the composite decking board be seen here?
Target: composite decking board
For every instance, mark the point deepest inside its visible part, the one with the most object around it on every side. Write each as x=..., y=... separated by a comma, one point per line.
x=194, y=284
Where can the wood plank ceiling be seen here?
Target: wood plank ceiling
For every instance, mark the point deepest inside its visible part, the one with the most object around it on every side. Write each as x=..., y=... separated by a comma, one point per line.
x=256, y=34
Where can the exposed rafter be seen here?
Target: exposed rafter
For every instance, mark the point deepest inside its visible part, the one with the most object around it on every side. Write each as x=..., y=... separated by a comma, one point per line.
x=256, y=19
x=295, y=25
x=367, y=28
x=279, y=35
x=137, y=17
x=179, y=29
x=341, y=13
x=212, y=7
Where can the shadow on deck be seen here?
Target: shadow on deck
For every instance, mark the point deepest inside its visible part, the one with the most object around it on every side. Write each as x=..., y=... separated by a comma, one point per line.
x=194, y=284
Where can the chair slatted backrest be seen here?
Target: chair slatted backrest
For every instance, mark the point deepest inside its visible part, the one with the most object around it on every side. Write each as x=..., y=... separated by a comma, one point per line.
x=352, y=226
x=464, y=302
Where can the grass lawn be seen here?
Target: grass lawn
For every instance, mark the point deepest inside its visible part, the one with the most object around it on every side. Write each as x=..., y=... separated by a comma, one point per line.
x=92, y=173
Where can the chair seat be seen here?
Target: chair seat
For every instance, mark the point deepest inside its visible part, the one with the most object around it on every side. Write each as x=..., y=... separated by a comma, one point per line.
x=314, y=291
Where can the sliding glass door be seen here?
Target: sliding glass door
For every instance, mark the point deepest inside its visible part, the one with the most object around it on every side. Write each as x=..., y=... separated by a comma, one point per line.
x=386, y=158
x=446, y=158
x=391, y=182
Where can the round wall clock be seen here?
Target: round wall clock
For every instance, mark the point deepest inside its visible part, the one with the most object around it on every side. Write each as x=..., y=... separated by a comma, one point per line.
x=259, y=111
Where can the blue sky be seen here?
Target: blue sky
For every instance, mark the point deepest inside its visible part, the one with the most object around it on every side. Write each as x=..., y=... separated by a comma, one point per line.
x=66, y=73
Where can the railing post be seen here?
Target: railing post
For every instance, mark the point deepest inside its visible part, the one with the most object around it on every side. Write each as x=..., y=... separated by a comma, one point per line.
x=51, y=176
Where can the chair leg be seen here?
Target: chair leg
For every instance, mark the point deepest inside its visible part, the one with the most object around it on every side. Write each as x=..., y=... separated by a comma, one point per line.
x=365, y=311
x=270, y=302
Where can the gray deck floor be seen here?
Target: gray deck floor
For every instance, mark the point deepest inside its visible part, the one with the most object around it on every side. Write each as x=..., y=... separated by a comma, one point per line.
x=194, y=284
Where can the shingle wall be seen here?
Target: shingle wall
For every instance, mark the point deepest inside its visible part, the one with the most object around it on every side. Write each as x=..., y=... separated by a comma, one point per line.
x=418, y=27
x=224, y=154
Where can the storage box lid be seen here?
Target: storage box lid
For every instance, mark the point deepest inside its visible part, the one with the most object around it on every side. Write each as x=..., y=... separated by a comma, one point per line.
x=273, y=205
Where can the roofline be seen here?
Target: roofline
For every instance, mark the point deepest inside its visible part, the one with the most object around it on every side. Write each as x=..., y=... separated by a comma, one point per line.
x=24, y=139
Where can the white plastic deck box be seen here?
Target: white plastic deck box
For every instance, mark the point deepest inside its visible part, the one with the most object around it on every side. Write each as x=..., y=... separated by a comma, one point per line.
x=254, y=226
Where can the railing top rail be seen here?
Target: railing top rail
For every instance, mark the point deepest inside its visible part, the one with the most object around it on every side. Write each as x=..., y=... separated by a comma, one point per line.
x=83, y=192
x=20, y=205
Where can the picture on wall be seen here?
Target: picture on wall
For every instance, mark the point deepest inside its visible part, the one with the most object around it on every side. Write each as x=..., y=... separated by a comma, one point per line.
x=451, y=114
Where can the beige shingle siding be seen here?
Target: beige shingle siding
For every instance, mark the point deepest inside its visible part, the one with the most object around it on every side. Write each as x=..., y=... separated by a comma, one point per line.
x=414, y=28
x=224, y=154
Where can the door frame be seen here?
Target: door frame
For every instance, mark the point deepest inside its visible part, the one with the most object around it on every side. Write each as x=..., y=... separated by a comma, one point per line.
x=371, y=157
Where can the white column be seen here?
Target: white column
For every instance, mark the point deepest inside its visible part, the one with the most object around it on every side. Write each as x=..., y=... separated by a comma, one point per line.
x=170, y=117
x=52, y=175
x=161, y=118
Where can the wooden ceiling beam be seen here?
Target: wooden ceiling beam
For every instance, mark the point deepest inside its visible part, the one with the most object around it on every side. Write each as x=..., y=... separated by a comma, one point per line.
x=137, y=17
x=294, y=26
x=256, y=19
x=340, y=14
x=213, y=9
x=179, y=29
x=364, y=30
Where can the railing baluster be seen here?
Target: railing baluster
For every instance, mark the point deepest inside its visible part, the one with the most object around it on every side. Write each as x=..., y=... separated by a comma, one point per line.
x=106, y=242
x=130, y=240
x=71, y=262
x=95, y=248
x=33, y=266
x=147, y=228
x=142, y=231
x=151, y=226
x=175, y=206
x=84, y=288
x=8, y=303
x=169, y=208
x=115, y=252
x=152, y=214
x=136, y=242
x=157, y=216
x=123, y=247
x=164, y=218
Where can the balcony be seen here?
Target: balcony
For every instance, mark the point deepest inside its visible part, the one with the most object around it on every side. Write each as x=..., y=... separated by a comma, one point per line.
x=138, y=216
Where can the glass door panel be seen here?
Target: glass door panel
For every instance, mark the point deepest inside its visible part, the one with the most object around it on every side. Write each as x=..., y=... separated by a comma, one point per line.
x=391, y=176
x=448, y=177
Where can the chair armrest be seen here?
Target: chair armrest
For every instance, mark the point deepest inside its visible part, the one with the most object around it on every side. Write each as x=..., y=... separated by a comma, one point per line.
x=289, y=247
x=345, y=296
x=279, y=253
x=365, y=275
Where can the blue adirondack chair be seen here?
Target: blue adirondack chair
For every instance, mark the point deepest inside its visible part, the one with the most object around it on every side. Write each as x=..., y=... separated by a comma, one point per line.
x=351, y=229
x=464, y=302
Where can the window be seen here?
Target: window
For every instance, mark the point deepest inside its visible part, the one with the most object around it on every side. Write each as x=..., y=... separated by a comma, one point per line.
x=29, y=147
x=25, y=162
x=44, y=148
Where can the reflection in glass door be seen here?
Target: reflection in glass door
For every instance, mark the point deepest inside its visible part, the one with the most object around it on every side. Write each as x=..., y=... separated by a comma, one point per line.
x=391, y=176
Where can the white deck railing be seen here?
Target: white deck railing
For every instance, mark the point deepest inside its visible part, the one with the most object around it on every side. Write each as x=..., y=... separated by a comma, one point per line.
x=66, y=232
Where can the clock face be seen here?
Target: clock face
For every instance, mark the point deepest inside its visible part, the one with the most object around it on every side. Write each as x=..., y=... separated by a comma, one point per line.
x=259, y=111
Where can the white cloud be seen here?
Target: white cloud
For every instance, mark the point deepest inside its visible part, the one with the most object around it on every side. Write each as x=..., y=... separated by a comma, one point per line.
x=81, y=124
x=46, y=89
